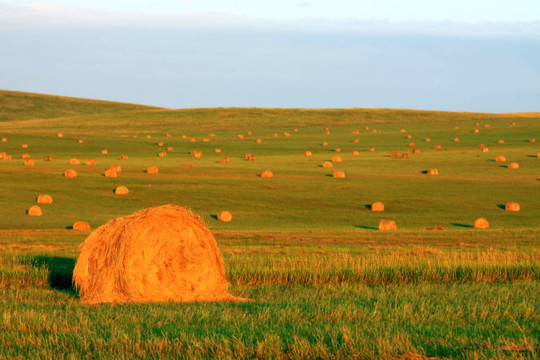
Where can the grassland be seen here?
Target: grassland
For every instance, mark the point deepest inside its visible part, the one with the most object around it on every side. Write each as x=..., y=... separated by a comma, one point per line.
x=302, y=245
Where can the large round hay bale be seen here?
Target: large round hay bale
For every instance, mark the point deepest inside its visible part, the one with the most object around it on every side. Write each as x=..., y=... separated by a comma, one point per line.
x=513, y=165
x=70, y=173
x=512, y=206
x=4, y=139
x=501, y=141
x=24, y=146
x=25, y=156
x=60, y=135
x=155, y=255
x=44, y=199
x=307, y=153
x=433, y=172
x=34, y=211
x=152, y=170
x=224, y=160
x=267, y=174
x=121, y=190
x=416, y=151
x=90, y=162
x=29, y=162
x=48, y=158
x=224, y=216
x=355, y=152
x=117, y=168
x=481, y=223
x=124, y=157
x=338, y=174
x=377, y=206
x=336, y=159
x=162, y=154
x=327, y=164
x=74, y=161
x=110, y=173
x=500, y=159
x=81, y=225
x=387, y=225
x=485, y=149
x=104, y=152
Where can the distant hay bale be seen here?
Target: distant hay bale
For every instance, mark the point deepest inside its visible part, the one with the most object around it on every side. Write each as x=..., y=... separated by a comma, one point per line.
x=337, y=149
x=501, y=141
x=184, y=137
x=24, y=146
x=436, y=228
x=327, y=164
x=74, y=161
x=152, y=170
x=29, y=162
x=267, y=174
x=481, y=145
x=162, y=154
x=372, y=149
x=218, y=150
x=159, y=254
x=224, y=160
x=456, y=139
x=4, y=139
x=476, y=131
x=48, y=158
x=394, y=154
x=44, y=199
x=416, y=151
x=433, y=172
x=387, y=225
x=477, y=124
x=500, y=159
x=90, y=162
x=336, y=159
x=70, y=173
x=121, y=190
x=110, y=173
x=116, y=168
x=356, y=132
x=251, y=158
x=81, y=141
x=402, y=131
x=405, y=156
x=356, y=141
x=25, y=156
x=275, y=135
x=148, y=136
x=240, y=136
x=170, y=148
x=366, y=128
x=168, y=135
x=513, y=165
x=123, y=157
x=409, y=136
x=485, y=149
x=532, y=140
x=307, y=153
x=60, y=135
x=224, y=216
x=481, y=223
x=538, y=155
x=104, y=152
x=411, y=144
x=377, y=206
x=6, y=157
x=512, y=206
x=355, y=152
x=81, y=225
x=513, y=124
x=325, y=144
x=160, y=143
x=427, y=140
x=34, y=211
x=486, y=126
x=286, y=134
x=197, y=154
x=437, y=147
x=258, y=141
x=295, y=130
x=338, y=174
x=206, y=140
x=247, y=155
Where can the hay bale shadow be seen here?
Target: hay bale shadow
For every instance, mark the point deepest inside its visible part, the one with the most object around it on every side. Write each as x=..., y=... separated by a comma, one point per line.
x=368, y=206
x=532, y=156
x=366, y=227
x=424, y=171
x=60, y=269
x=214, y=217
x=502, y=206
x=462, y=225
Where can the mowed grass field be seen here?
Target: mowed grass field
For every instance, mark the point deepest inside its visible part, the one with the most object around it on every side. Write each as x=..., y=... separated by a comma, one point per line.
x=326, y=283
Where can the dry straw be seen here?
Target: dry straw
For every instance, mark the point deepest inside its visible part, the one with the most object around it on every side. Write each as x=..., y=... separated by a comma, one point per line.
x=377, y=206
x=481, y=223
x=34, y=211
x=267, y=174
x=29, y=162
x=70, y=173
x=224, y=216
x=44, y=199
x=152, y=170
x=387, y=225
x=336, y=159
x=110, y=173
x=512, y=206
x=513, y=165
x=500, y=159
x=327, y=164
x=90, y=162
x=433, y=172
x=121, y=190
x=81, y=225
x=159, y=254
x=74, y=161
x=338, y=174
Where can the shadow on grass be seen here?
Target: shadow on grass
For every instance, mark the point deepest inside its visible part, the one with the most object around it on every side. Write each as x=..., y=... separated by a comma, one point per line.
x=532, y=156
x=366, y=227
x=60, y=271
x=462, y=225
x=213, y=217
x=368, y=206
x=502, y=206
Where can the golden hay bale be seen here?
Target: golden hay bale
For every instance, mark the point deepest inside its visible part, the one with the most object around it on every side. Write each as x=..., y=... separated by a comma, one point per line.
x=60, y=135
x=240, y=136
x=286, y=134
x=251, y=158
x=307, y=153
x=427, y=140
x=225, y=216
x=170, y=148
x=394, y=154
x=477, y=124
x=513, y=165
x=267, y=174
x=366, y=128
x=402, y=131
x=436, y=228
x=104, y=152
x=4, y=139
x=433, y=172
x=48, y=158
x=416, y=151
x=224, y=160
x=405, y=156
x=206, y=140
x=538, y=155
x=184, y=137
x=481, y=223
x=218, y=150
x=34, y=211
x=81, y=225
x=501, y=141
x=121, y=190
x=148, y=136
x=44, y=199
x=168, y=135
x=513, y=124
x=247, y=155
x=295, y=130
x=456, y=139
x=327, y=164
x=162, y=154
x=258, y=141
x=338, y=174
x=25, y=156
x=70, y=173
x=355, y=152
x=160, y=143
x=29, y=162
x=116, y=168
x=500, y=159
x=123, y=157
x=387, y=225
x=6, y=157
x=409, y=136
x=24, y=146
x=81, y=141
x=336, y=159
x=532, y=140
x=325, y=144
x=476, y=131
x=74, y=161
x=437, y=147
x=512, y=206
x=356, y=141
x=377, y=206
x=337, y=149
x=485, y=149
x=110, y=173
x=152, y=170
x=356, y=132
x=275, y=135
x=486, y=126
x=90, y=162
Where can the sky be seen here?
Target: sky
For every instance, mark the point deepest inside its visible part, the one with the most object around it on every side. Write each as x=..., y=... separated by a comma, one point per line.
x=472, y=55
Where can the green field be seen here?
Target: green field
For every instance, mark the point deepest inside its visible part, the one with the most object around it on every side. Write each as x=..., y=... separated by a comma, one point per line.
x=326, y=283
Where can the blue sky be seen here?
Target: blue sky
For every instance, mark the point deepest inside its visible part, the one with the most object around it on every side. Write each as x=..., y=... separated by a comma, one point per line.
x=439, y=55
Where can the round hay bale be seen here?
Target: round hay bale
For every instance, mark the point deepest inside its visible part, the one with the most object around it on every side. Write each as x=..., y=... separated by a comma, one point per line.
x=240, y=136
x=436, y=228
x=427, y=140
x=387, y=225
x=481, y=223
x=500, y=159
x=377, y=206
x=456, y=139
x=532, y=140
x=74, y=161
x=25, y=156
x=34, y=211
x=267, y=174
x=148, y=136
x=168, y=135
x=411, y=144
x=170, y=148
x=337, y=149
x=24, y=146
x=258, y=141
x=162, y=154
x=218, y=150
x=437, y=147
x=184, y=137
x=338, y=174
x=307, y=153
x=513, y=165
x=224, y=160
x=224, y=216
x=501, y=141
x=416, y=151
x=394, y=154
x=6, y=157
x=336, y=159
x=152, y=170
x=486, y=126
x=44, y=199
x=81, y=141
x=60, y=135
x=206, y=140
x=512, y=206
x=409, y=136
x=70, y=173
x=81, y=225
x=405, y=156
x=538, y=155
x=123, y=157
x=327, y=164
x=90, y=162
x=355, y=152
x=372, y=149
x=160, y=143
x=476, y=131
x=356, y=141
x=29, y=162
x=48, y=158
x=513, y=124
x=4, y=139
x=325, y=144
x=295, y=130
x=104, y=152
x=402, y=131
x=432, y=172
x=485, y=149
x=121, y=190
x=275, y=135
x=116, y=168
x=110, y=173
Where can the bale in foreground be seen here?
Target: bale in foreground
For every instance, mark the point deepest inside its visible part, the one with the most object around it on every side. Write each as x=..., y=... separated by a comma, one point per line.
x=155, y=255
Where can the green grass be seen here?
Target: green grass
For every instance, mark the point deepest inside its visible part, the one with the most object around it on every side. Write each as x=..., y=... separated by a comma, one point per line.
x=302, y=245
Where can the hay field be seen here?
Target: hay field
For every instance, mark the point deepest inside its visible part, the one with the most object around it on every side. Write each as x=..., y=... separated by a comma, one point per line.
x=305, y=245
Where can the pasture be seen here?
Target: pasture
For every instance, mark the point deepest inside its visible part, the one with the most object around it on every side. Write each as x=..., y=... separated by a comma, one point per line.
x=302, y=244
